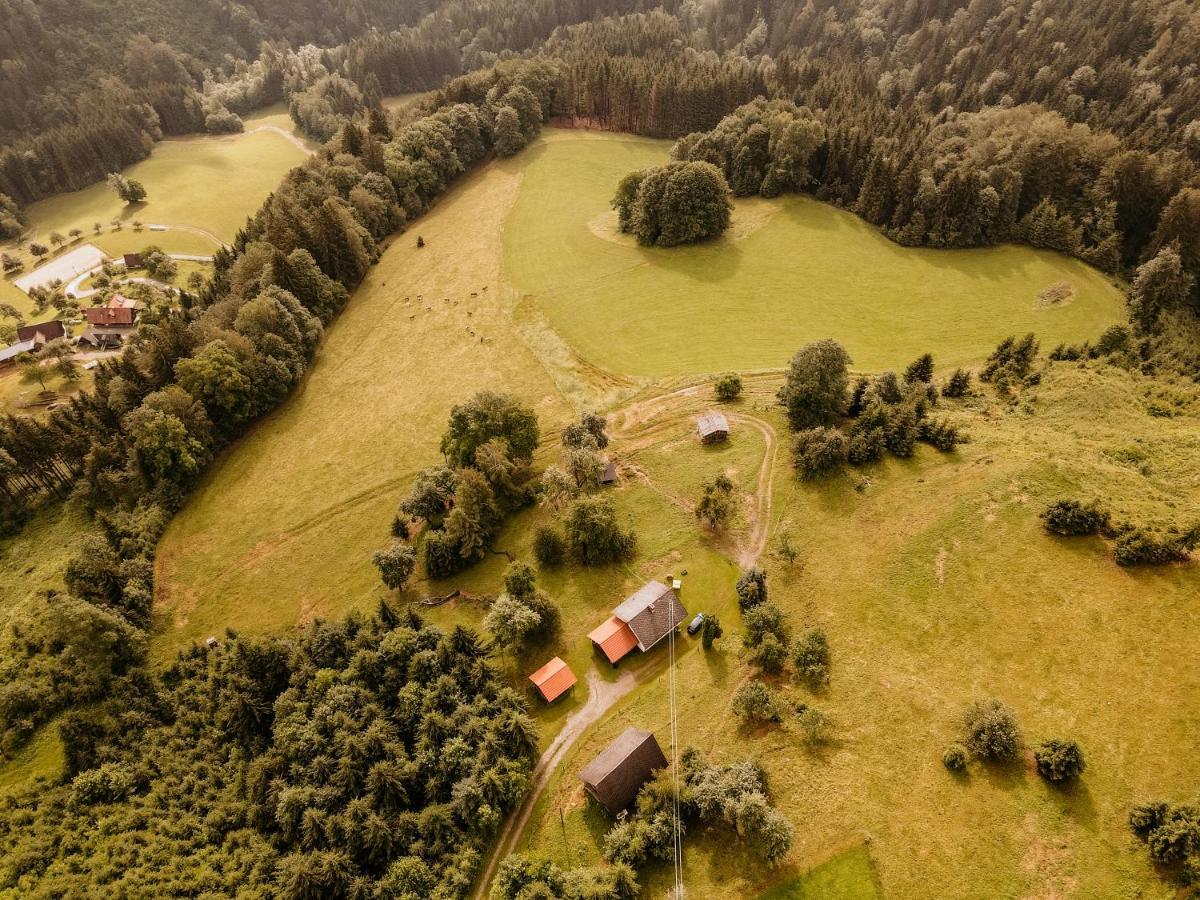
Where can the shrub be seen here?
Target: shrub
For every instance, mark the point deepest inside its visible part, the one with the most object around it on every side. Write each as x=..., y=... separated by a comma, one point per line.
x=1011, y=361
x=751, y=588
x=442, y=556
x=811, y=655
x=867, y=444
x=769, y=653
x=1059, y=761
x=919, y=370
x=756, y=702
x=1116, y=339
x=1147, y=816
x=1140, y=547
x=594, y=534
x=395, y=563
x=955, y=757
x=990, y=731
x=549, y=546
x=940, y=434
x=729, y=387
x=716, y=504
x=1177, y=836
x=814, y=725
x=958, y=384
x=900, y=436
x=818, y=452
x=710, y=630
x=1072, y=518
x=764, y=619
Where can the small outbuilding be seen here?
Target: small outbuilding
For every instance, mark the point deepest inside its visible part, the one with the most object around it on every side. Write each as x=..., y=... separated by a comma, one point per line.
x=553, y=679
x=610, y=473
x=615, y=776
x=713, y=427
x=10, y=354
x=614, y=639
x=133, y=261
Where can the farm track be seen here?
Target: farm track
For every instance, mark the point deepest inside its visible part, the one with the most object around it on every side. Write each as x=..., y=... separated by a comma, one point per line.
x=602, y=695
x=636, y=421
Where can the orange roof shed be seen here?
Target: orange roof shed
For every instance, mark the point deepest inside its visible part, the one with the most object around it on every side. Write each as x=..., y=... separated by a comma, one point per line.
x=553, y=679
x=615, y=639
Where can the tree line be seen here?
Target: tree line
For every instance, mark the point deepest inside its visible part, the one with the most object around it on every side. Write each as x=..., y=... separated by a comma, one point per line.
x=197, y=377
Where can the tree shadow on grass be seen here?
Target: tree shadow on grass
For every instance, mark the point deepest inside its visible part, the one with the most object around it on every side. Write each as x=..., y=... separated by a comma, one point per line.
x=1076, y=800
x=718, y=665
x=1007, y=775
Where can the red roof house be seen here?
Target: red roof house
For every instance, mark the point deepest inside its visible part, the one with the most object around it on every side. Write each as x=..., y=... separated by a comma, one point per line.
x=110, y=315
x=614, y=639
x=553, y=679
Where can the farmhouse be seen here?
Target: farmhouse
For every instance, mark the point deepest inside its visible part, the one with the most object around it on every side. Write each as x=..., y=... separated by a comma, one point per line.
x=642, y=620
x=615, y=776
x=713, y=427
x=111, y=324
x=553, y=679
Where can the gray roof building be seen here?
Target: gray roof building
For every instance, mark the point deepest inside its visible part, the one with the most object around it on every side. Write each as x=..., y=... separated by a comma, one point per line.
x=713, y=427
x=651, y=613
x=615, y=776
x=11, y=352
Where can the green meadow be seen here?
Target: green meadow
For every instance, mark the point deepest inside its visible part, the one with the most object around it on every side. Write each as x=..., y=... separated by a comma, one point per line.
x=204, y=187
x=788, y=271
x=931, y=576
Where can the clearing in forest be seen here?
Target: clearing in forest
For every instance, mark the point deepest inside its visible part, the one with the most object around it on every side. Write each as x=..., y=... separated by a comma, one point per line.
x=789, y=271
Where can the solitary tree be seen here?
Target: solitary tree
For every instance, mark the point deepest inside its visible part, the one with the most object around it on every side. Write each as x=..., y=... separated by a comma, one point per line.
x=129, y=190
x=815, y=390
x=1059, y=761
x=729, y=387
x=716, y=503
x=990, y=730
x=395, y=563
x=710, y=630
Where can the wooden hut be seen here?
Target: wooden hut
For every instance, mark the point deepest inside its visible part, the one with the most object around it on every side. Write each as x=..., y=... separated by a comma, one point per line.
x=713, y=427
x=610, y=473
x=615, y=776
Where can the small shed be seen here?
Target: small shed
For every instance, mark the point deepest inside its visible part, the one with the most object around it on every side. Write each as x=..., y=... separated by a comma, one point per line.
x=610, y=473
x=133, y=261
x=615, y=776
x=614, y=639
x=9, y=354
x=713, y=427
x=553, y=679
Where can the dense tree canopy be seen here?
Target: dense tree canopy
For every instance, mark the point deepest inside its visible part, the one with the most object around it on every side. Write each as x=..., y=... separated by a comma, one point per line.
x=679, y=203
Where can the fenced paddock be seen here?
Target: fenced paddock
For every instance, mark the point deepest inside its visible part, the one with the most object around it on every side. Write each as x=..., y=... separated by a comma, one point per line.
x=82, y=259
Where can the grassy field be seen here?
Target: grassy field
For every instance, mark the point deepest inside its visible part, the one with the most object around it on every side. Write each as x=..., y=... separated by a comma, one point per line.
x=789, y=271
x=931, y=576
x=207, y=186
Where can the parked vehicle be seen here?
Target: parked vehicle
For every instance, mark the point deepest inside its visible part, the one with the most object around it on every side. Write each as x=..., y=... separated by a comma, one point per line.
x=695, y=624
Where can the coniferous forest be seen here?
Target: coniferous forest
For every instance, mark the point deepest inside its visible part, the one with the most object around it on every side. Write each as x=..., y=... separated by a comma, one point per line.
x=376, y=756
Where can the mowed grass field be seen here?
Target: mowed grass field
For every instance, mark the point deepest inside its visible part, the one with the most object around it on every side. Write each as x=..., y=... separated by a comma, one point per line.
x=932, y=576
x=788, y=271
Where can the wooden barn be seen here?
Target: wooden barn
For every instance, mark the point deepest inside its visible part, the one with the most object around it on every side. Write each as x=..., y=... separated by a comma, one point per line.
x=615, y=776
x=713, y=427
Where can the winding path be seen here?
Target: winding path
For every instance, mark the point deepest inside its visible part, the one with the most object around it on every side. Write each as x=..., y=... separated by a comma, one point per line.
x=601, y=697
x=634, y=420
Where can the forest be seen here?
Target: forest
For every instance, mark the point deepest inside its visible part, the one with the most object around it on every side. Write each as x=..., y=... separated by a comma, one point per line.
x=376, y=756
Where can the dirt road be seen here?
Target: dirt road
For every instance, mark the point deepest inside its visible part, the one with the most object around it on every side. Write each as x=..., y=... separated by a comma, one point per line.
x=601, y=696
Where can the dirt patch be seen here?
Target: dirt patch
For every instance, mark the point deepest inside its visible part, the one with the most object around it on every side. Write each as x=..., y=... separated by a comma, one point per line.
x=939, y=565
x=1045, y=862
x=1059, y=294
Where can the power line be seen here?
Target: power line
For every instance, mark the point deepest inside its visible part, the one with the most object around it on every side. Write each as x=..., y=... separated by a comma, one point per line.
x=677, y=837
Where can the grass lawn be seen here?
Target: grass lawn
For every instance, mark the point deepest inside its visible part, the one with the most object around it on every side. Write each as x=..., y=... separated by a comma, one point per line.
x=42, y=756
x=931, y=576
x=789, y=271
x=848, y=876
x=33, y=561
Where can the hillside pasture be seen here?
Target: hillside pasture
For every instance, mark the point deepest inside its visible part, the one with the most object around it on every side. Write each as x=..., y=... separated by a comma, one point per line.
x=789, y=271
x=931, y=576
